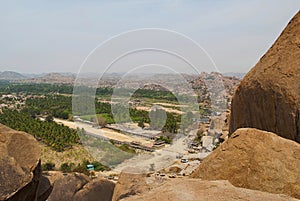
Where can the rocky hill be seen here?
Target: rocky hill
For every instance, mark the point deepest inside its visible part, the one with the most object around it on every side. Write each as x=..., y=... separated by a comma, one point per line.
x=257, y=160
x=10, y=75
x=233, y=74
x=52, y=78
x=268, y=98
x=206, y=80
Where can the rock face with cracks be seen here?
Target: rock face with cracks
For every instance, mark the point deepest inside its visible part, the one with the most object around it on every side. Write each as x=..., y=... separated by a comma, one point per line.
x=268, y=98
x=257, y=160
x=131, y=182
x=79, y=187
x=20, y=168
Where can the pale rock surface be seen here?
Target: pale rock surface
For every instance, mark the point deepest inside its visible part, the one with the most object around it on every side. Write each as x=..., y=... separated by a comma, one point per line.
x=255, y=159
x=197, y=190
x=131, y=181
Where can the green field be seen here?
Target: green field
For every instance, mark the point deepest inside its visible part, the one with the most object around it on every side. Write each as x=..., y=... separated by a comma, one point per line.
x=90, y=117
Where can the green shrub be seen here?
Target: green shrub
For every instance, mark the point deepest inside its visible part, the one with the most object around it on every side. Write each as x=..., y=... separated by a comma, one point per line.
x=199, y=136
x=166, y=139
x=48, y=166
x=99, y=166
x=66, y=167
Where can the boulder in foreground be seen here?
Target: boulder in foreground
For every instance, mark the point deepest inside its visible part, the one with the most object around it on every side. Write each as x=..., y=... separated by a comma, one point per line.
x=79, y=187
x=196, y=189
x=268, y=98
x=257, y=160
x=131, y=181
x=20, y=168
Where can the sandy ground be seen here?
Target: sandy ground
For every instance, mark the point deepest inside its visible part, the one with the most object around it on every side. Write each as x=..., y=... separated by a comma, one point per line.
x=148, y=109
x=108, y=133
x=161, y=159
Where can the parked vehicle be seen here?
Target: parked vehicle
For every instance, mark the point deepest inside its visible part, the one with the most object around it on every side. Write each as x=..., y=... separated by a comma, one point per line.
x=184, y=160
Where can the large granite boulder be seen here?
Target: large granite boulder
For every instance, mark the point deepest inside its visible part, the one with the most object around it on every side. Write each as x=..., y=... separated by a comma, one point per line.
x=196, y=189
x=79, y=187
x=97, y=190
x=20, y=167
x=66, y=187
x=257, y=160
x=131, y=181
x=268, y=98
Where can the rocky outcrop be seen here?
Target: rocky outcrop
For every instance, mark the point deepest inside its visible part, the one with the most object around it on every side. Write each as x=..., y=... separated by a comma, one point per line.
x=20, y=167
x=257, y=160
x=196, y=189
x=131, y=182
x=268, y=98
x=79, y=187
x=66, y=187
x=96, y=190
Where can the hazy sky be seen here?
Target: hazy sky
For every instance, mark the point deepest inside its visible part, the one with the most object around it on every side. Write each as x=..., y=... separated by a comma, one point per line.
x=57, y=35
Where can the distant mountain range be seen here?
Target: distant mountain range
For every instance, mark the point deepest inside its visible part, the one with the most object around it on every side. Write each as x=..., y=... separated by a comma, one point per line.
x=69, y=78
x=51, y=78
x=38, y=78
x=11, y=75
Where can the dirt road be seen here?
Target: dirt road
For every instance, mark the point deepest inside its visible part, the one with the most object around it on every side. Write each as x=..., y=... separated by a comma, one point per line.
x=104, y=132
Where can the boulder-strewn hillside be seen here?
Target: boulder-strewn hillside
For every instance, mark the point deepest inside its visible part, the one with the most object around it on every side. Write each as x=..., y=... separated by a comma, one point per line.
x=268, y=98
x=257, y=160
x=20, y=168
x=196, y=189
